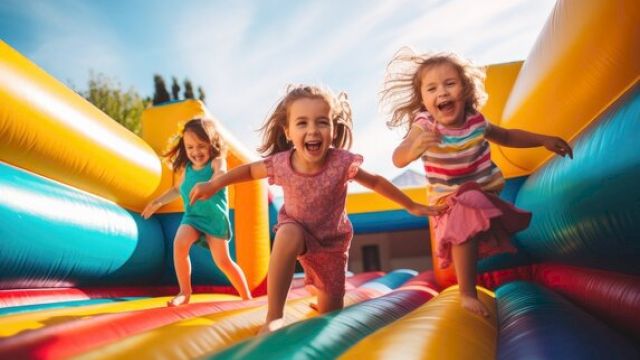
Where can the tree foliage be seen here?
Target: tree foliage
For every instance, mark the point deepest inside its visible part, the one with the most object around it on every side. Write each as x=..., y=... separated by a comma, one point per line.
x=188, y=89
x=160, y=93
x=201, y=95
x=125, y=107
x=175, y=89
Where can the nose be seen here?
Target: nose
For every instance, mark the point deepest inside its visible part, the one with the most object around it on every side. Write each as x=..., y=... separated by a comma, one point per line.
x=312, y=128
x=442, y=91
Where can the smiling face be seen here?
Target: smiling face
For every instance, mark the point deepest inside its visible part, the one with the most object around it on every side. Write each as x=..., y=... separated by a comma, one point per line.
x=198, y=150
x=443, y=94
x=311, y=131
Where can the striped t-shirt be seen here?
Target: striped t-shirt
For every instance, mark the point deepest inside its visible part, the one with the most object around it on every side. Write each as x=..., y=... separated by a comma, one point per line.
x=463, y=155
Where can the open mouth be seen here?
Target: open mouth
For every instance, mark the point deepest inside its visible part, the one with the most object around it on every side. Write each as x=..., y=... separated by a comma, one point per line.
x=446, y=106
x=313, y=146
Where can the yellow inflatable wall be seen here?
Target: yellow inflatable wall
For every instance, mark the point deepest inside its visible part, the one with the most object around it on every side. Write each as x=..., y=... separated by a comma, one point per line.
x=50, y=130
x=248, y=200
x=586, y=48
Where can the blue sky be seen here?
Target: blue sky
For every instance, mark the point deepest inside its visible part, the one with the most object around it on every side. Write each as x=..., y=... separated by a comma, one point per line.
x=243, y=53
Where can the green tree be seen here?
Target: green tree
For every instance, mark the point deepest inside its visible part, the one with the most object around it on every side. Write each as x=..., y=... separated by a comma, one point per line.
x=125, y=107
x=160, y=93
x=188, y=89
x=175, y=89
x=201, y=95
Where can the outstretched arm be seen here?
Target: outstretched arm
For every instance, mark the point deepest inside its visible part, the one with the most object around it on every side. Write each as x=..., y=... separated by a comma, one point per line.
x=524, y=139
x=242, y=173
x=168, y=196
x=383, y=187
x=412, y=147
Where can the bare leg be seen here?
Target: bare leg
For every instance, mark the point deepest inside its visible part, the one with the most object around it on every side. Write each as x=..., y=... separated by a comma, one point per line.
x=185, y=237
x=289, y=243
x=220, y=253
x=465, y=256
x=328, y=303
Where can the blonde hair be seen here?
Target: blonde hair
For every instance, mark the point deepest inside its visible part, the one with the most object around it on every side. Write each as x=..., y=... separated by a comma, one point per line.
x=401, y=94
x=273, y=136
x=205, y=130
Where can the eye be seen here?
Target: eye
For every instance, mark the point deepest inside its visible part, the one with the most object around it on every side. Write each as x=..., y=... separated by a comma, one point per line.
x=431, y=89
x=323, y=122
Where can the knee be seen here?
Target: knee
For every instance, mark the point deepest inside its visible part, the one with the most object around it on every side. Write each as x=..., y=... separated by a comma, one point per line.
x=223, y=262
x=290, y=239
x=181, y=246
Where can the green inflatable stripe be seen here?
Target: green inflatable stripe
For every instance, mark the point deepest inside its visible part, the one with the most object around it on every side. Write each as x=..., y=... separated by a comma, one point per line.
x=328, y=336
x=586, y=211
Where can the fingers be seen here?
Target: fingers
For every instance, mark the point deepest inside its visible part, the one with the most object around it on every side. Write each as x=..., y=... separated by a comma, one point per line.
x=145, y=213
x=429, y=139
x=569, y=152
x=564, y=149
x=195, y=195
x=431, y=210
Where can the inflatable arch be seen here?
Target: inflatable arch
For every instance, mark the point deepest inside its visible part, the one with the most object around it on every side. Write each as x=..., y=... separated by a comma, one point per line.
x=82, y=275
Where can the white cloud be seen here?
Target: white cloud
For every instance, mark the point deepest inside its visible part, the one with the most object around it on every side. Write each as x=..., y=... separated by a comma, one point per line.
x=244, y=53
x=363, y=45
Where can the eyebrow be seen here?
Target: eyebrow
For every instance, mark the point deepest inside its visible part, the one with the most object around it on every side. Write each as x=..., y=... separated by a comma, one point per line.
x=445, y=80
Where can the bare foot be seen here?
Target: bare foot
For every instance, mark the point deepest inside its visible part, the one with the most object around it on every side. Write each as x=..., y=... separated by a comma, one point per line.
x=180, y=299
x=474, y=305
x=271, y=326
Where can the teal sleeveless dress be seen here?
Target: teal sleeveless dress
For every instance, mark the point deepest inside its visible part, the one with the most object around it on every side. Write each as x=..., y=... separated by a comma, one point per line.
x=209, y=216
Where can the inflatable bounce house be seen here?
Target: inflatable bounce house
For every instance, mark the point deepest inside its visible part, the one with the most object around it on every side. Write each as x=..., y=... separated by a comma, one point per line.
x=82, y=275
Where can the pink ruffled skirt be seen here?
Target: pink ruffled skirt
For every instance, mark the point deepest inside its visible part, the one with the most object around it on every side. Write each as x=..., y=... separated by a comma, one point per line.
x=475, y=213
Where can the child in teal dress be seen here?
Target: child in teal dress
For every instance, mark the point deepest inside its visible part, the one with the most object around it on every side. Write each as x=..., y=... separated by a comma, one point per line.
x=198, y=150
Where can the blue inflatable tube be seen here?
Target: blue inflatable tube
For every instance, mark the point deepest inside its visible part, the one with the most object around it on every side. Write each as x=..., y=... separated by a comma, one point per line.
x=52, y=235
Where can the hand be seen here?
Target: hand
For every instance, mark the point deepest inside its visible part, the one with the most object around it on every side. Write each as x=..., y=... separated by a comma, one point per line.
x=151, y=208
x=202, y=191
x=422, y=210
x=424, y=141
x=558, y=146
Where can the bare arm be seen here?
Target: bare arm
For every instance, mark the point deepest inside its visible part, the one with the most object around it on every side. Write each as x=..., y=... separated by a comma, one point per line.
x=242, y=173
x=524, y=139
x=412, y=147
x=219, y=166
x=383, y=187
x=168, y=196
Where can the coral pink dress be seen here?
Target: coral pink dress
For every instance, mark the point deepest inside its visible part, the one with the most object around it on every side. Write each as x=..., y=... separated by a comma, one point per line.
x=461, y=174
x=316, y=202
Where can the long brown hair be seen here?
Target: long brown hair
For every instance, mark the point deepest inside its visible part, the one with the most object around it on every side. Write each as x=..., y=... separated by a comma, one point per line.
x=273, y=136
x=401, y=95
x=205, y=130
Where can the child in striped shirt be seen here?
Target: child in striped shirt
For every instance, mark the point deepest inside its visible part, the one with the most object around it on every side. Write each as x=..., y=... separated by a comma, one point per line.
x=437, y=97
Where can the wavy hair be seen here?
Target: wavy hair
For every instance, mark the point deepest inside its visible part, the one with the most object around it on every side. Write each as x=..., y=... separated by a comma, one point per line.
x=400, y=94
x=273, y=135
x=205, y=130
